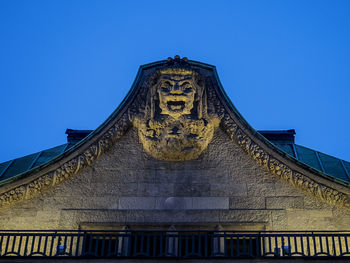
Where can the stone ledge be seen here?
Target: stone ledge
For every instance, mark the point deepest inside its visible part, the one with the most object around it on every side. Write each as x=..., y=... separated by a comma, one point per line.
x=173, y=203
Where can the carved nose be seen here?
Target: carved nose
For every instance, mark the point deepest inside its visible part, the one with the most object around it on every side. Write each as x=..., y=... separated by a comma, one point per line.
x=176, y=89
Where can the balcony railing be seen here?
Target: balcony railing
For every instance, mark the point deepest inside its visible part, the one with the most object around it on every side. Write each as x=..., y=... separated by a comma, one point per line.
x=173, y=244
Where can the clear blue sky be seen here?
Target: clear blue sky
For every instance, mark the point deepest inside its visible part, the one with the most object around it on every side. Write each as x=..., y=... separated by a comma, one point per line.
x=68, y=64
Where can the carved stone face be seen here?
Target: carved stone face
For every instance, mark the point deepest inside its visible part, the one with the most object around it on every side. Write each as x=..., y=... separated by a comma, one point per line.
x=175, y=125
x=176, y=95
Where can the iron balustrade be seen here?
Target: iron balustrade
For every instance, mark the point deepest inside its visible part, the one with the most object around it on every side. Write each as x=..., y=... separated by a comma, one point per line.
x=173, y=244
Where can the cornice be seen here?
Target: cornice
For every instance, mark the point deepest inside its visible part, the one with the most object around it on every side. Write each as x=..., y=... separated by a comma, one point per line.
x=34, y=185
x=272, y=159
x=278, y=166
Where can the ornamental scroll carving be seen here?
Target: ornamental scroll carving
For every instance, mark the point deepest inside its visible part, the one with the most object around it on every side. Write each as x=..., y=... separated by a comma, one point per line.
x=68, y=169
x=175, y=124
x=281, y=170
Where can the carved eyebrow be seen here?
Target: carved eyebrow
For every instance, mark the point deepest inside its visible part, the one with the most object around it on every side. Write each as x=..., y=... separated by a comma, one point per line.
x=167, y=82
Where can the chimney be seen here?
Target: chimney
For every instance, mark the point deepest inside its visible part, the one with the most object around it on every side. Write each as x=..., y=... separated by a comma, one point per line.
x=75, y=136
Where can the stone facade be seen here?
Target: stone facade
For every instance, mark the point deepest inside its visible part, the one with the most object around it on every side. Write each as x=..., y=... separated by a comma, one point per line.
x=230, y=177
x=126, y=186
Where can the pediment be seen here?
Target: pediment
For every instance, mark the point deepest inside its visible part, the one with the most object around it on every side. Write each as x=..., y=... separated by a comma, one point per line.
x=175, y=105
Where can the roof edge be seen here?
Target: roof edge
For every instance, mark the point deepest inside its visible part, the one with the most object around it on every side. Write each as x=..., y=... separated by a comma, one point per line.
x=276, y=161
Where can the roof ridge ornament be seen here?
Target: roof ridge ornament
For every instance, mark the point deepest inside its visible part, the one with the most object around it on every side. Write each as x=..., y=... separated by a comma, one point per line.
x=177, y=59
x=178, y=66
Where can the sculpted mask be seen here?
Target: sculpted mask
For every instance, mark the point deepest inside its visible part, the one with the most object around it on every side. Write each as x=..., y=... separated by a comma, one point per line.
x=176, y=125
x=176, y=95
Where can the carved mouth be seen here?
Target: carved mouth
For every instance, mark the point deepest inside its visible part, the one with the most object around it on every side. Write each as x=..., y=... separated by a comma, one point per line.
x=176, y=105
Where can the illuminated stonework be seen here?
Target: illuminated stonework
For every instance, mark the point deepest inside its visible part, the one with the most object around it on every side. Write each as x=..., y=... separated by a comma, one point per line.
x=154, y=122
x=176, y=125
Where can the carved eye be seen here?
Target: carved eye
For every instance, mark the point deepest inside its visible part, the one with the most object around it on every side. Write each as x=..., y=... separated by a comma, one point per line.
x=188, y=89
x=165, y=86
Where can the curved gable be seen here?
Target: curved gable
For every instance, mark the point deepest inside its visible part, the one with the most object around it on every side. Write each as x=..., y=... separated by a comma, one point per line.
x=220, y=111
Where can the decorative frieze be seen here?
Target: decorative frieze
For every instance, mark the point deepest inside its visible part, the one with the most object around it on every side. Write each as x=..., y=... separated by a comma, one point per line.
x=68, y=169
x=281, y=170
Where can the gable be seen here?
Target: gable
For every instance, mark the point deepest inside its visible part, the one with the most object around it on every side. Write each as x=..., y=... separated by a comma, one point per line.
x=212, y=106
x=126, y=186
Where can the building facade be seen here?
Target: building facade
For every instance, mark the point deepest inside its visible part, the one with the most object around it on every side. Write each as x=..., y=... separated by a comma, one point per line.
x=176, y=163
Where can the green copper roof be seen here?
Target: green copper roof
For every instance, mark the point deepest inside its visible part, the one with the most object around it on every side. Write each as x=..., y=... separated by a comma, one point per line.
x=334, y=167
x=20, y=165
x=327, y=164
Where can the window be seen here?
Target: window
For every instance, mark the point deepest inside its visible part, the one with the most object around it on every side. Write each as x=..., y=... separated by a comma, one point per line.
x=149, y=243
x=106, y=244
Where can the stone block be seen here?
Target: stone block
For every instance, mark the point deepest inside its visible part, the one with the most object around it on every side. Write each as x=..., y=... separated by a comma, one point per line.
x=299, y=219
x=173, y=176
x=210, y=203
x=250, y=202
x=203, y=176
x=340, y=223
x=160, y=217
x=320, y=213
x=147, y=189
x=23, y=212
x=109, y=188
x=49, y=215
x=250, y=175
x=282, y=188
x=132, y=203
x=219, y=189
x=311, y=202
x=210, y=176
x=93, y=216
x=123, y=176
x=72, y=188
x=174, y=203
x=237, y=190
x=128, y=189
x=245, y=216
x=36, y=203
x=69, y=219
x=261, y=189
x=146, y=176
x=279, y=220
x=228, y=190
x=100, y=202
x=191, y=190
x=155, y=189
x=61, y=202
x=339, y=212
x=287, y=202
x=120, y=175
x=200, y=216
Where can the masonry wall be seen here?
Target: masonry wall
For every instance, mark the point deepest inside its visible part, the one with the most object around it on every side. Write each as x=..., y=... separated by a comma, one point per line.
x=126, y=186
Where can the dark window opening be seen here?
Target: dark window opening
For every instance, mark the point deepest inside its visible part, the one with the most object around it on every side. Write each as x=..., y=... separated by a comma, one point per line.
x=192, y=245
x=158, y=244
x=106, y=245
x=247, y=246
